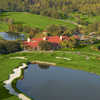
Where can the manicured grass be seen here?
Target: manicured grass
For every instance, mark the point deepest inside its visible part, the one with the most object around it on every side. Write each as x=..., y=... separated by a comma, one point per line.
x=78, y=62
x=94, y=19
x=41, y=22
x=3, y=27
x=6, y=67
x=90, y=19
x=33, y=20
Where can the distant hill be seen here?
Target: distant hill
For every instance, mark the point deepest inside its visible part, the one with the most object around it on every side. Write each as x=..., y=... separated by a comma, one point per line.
x=53, y=8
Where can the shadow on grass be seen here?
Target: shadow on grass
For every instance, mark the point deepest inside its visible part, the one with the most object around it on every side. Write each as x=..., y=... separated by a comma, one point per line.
x=18, y=22
x=3, y=14
x=4, y=94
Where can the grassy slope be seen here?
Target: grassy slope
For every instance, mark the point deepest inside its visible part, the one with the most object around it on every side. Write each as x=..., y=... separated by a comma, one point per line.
x=78, y=62
x=90, y=19
x=42, y=21
x=32, y=20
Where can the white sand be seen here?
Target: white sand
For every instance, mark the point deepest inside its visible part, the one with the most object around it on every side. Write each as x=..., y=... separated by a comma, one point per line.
x=8, y=83
x=63, y=58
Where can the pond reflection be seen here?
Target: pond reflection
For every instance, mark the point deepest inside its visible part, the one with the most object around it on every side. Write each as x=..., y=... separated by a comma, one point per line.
x=43, y=66
x=11, y=36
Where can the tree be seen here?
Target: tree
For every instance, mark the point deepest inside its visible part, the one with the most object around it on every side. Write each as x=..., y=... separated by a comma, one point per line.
x=19, y=28
x=33, y=32
x=9, y=46
x=73, y=43
x=26, y=29
x=13, y=46
x=12, y=28
x=56, y=29
x=45, y=45
x=64, y=43
x=67, y=32
x=53, y=8
x=3, y=49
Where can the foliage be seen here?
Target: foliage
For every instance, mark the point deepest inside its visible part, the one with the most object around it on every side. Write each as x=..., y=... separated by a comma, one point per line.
x=18, y=28
x=45, y=45
x=94, y=27
x=28, y=21
x=56, y=29
x=9, y=46
x=52, y=8
x=33, y=32
x=71, y=43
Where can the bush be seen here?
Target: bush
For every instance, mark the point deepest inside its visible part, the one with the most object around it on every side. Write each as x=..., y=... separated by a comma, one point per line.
x=45, y=45
x=98, y=47
x=56, y=29
x=3, y=49
x=9, y=46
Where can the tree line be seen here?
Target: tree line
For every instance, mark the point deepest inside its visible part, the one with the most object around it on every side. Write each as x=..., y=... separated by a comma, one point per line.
x=52, y=29
x=52, y=8
x=55, y=30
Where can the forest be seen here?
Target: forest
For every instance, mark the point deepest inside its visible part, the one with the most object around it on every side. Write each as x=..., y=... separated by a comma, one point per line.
x=53, y=8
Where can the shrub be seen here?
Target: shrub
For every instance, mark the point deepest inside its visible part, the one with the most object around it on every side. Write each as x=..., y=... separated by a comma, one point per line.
x=98, y=47
x=45, y=45
x=9, y=46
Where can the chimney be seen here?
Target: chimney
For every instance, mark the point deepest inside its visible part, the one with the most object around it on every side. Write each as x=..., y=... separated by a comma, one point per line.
x=44, y=38
x=28, y=40
x=61, y=38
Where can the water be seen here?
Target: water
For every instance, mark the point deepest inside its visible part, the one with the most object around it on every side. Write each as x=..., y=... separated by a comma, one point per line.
x=11, y=36
x=57, y=83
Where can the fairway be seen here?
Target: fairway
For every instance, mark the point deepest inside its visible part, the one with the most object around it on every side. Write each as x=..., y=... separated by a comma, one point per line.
x=33, y=20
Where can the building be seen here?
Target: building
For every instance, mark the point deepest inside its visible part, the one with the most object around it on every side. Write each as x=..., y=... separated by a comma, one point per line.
x=55, y=40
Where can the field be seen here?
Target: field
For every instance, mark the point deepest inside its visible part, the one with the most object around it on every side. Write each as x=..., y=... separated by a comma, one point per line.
x=78, y=61
x=32, y=20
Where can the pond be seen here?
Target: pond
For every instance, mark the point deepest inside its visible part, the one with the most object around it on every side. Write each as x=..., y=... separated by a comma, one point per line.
x=58, y=83
x=11, y=36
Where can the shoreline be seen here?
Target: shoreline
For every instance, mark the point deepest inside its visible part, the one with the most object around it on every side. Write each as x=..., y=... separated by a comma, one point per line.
x=17, y=73
x=8, y=83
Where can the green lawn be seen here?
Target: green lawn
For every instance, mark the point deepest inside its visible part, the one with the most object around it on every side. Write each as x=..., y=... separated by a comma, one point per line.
x=78, y=62
x=3, y=27
x=90, y=19
x=41, y=22
x=32, y=20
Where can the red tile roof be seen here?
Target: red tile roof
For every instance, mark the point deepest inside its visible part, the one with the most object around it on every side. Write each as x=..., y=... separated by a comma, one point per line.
x=37, y=39
x=53, y=39
x=76, y=37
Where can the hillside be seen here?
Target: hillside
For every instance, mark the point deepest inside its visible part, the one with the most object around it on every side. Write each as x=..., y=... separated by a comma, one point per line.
x=32, y=20
x=53, y=8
